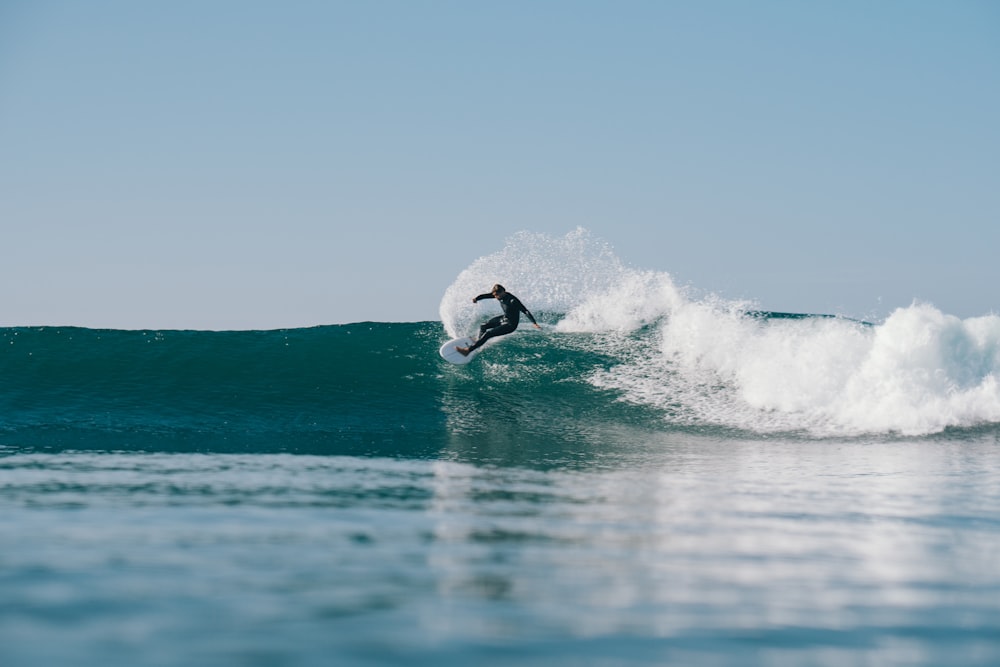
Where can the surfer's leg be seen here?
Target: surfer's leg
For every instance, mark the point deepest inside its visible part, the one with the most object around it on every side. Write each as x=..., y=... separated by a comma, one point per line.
x=486, y=331
x=493, y=333
x=491, y=324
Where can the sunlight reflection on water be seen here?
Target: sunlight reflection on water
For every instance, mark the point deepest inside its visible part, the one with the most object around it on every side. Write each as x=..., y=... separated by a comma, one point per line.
x=688, y=549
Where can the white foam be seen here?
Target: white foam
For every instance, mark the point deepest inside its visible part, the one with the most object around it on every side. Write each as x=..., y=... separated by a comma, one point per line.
x=922, y=372
x=919, y=372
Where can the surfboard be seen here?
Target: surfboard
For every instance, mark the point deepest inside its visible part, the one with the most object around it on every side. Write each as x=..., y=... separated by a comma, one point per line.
x=449, y=353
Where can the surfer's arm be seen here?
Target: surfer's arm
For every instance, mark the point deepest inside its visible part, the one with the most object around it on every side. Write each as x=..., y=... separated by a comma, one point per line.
x=528, y=313
x=481, y=297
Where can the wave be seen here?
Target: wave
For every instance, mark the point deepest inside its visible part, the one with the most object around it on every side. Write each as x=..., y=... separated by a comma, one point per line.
x=624, y=354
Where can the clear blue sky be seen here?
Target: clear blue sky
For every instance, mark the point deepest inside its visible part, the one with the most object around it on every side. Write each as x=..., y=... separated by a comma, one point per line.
x=267, y=164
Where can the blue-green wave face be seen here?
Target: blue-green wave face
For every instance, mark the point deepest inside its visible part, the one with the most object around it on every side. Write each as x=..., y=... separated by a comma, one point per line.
x=624, y=357
x=361, y=389
x=338, y=388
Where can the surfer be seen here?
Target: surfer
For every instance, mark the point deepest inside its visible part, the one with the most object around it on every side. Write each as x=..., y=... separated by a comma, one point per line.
x=501, y=324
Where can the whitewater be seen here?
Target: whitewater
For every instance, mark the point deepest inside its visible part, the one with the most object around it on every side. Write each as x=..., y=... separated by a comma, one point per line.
x=713, y=361
x=659, y=476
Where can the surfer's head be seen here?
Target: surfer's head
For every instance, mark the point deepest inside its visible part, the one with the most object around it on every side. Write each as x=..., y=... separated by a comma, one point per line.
x=498, y=289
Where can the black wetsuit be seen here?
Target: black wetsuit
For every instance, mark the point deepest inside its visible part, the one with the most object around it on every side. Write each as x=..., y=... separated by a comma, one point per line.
x=502, y=324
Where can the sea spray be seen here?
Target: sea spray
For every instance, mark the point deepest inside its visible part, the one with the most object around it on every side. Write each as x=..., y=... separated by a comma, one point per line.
x=549, y=274
x=635, y=299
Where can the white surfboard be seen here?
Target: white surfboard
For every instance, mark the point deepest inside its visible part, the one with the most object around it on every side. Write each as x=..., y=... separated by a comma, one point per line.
x=449, y=353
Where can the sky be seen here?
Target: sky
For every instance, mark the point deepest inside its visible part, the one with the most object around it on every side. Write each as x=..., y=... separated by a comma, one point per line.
x=241, y=164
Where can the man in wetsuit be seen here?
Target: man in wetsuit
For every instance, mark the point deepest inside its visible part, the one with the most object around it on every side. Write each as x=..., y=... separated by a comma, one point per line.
x=501, y=324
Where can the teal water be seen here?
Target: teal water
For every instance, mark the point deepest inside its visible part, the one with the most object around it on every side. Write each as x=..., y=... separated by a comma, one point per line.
x=340, y=495
x=362, y=389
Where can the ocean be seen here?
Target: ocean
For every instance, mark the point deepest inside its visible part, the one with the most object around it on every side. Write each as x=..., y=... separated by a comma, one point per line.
x=655, y=478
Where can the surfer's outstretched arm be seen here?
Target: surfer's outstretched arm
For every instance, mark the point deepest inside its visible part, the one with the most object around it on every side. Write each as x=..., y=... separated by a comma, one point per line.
x=520, y=306
x=530, y=317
